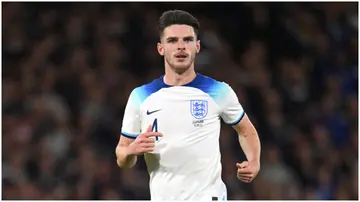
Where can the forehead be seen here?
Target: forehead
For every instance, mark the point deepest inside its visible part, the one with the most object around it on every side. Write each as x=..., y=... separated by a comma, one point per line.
x=179, y=31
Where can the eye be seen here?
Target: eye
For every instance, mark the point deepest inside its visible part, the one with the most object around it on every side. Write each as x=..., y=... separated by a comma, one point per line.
x=188, y=39
x=171, y=41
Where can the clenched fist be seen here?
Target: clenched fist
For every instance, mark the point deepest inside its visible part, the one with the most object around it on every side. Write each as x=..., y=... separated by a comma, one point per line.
x=247, y=171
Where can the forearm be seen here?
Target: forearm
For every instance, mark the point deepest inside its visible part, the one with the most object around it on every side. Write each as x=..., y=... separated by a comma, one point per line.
x=123, y=158
x=250, y=144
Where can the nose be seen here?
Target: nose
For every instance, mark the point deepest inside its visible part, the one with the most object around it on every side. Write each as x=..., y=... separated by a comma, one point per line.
x=181, y=45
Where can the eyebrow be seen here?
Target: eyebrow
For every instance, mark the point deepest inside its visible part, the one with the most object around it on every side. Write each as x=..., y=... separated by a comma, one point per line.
x=175, y=38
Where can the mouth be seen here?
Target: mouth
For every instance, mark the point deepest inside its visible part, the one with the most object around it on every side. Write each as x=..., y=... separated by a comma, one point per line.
x=181, y=56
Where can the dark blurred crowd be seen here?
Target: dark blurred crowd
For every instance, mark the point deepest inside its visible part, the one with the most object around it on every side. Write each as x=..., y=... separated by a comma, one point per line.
x=68, y=69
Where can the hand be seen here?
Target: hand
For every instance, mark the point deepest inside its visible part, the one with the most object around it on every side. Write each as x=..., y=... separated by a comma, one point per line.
x=144, y=143
x=247, y=171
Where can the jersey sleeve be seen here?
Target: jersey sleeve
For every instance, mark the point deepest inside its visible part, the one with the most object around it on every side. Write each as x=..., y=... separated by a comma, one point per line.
x=131, y=124
x=231, y=110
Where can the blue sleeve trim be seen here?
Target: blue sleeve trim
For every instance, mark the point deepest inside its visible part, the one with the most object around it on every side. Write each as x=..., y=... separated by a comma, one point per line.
x=237, y=120
x=132, y=136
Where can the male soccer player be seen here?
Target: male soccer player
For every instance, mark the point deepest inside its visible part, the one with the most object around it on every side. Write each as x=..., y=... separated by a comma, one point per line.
x=175, y=122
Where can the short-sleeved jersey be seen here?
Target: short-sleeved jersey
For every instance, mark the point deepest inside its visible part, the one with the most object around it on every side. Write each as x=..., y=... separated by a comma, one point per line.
x=186, y=162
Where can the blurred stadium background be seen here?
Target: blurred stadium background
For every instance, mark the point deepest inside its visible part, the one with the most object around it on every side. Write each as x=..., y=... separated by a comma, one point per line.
x=68, y=69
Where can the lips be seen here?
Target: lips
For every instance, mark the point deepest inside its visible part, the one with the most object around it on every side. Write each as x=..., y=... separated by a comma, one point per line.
x=181, y=55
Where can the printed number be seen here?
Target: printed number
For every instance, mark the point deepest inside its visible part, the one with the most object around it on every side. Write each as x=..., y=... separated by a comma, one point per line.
x=155, y=128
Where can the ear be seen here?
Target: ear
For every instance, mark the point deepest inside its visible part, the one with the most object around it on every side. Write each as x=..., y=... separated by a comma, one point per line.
x=197, y=46
x=160, y=49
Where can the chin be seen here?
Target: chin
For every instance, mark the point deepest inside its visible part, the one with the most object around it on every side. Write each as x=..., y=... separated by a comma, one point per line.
x=180, y=68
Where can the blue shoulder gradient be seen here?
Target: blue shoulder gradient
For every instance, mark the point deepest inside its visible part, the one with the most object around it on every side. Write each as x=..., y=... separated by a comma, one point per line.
x=210, y=86
x=215, y=89
x=141, y=93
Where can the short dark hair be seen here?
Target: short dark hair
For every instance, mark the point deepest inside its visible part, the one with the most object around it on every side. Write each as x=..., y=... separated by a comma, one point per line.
x=177, y=17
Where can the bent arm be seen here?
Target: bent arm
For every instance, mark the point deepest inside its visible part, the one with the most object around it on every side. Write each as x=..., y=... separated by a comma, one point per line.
x=124, y=157
x=248, y=139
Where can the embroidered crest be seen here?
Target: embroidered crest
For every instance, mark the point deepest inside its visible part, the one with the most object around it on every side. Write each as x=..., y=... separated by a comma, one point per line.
x=199, y=108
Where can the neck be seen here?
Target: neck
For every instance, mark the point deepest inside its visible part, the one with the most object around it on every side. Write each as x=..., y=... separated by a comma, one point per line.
x=173, y=78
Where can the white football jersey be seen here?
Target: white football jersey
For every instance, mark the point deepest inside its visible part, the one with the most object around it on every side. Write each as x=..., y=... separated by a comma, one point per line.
x=186, y=162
